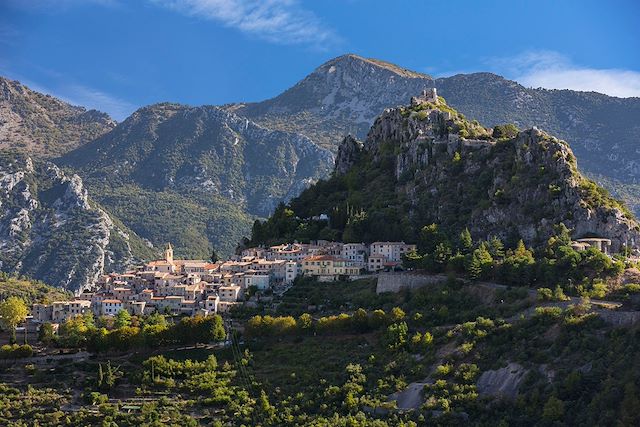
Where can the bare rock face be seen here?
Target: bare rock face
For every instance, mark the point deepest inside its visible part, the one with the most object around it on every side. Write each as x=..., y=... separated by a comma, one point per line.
x=349, y=153
x=51, y=231
x=204, y=150
x=503, y=382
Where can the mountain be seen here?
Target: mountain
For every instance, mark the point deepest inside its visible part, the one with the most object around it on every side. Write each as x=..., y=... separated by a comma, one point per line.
x=197, y=176
x=52, y=231
x=44, y=126
x=345, y=95
x=427, y=164
x=342, y=96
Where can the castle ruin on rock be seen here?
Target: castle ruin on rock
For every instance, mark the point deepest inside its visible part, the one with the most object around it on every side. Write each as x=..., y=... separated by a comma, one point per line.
x=429, y=95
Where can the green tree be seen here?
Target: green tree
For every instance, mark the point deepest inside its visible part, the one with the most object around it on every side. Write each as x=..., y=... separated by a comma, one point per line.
x=496, y=248
x=506, y=131
x=411, y=260
x=305, y=322
x=107, y=376
x=397, y=314
x=13, y=311
x=266, y=411
x=46, y=335
x=553, y=410
x=429, y=238
x=396, y=334
x=360, y=320
x=518, y=267
x=122, y=319
x=480, y=263
x=377, y=319
x=558, y=294
x=214, y=256
x=465, y=241
x=629, y=415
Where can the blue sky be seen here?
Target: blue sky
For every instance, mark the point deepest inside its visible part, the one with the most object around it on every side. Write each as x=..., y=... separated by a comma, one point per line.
x=118, y=55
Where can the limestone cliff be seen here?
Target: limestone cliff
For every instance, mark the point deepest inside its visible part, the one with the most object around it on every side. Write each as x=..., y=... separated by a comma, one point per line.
x=427, y=164
x=50, y=229
x=520, y=186
x=349, y=153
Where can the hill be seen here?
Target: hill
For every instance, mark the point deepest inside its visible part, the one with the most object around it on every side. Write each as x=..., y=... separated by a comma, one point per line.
x=427, y=163
x=44, y=126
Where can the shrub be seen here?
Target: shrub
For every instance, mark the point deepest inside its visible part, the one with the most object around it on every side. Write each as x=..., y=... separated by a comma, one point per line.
x=632, y=288
x=443, y=370
x=506, y=131
x=16, y=351
x=551, y=312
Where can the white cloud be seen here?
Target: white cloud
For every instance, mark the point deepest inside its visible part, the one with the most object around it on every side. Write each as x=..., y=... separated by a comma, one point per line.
x=553, y=70
x=92, y=98
x=76, y=94
x=277, y=21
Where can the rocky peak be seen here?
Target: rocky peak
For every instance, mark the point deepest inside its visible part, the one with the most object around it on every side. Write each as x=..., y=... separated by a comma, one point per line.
x=456, y=173
x=349, y=153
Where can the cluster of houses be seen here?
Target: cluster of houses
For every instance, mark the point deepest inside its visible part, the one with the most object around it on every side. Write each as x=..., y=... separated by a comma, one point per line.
x=191, y=287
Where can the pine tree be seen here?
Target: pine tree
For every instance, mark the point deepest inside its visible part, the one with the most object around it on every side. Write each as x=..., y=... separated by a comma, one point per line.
x=496, y=247
x=480, y=263
x=100, y=380
x=465, y=241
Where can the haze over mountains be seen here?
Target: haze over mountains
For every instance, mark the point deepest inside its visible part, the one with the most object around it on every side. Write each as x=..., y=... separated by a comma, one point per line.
x=199, y=176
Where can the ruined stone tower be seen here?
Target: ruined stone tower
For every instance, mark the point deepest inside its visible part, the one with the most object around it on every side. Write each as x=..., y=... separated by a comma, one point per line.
x=427, y=95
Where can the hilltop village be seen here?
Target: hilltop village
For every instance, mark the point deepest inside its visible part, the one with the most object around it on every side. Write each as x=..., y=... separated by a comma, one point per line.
x=201, y=287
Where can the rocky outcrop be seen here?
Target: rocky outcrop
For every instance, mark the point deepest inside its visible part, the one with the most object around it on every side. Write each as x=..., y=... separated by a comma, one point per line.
x=43, y=126
x=519, y=187
x=503, y=382
x=427, y=164
x=349, y=152
x=347, y=93
x=51, y=231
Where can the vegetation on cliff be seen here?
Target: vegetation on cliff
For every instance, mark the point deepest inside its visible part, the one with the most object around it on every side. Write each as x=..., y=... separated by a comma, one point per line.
x=428, y=164
x=30, y=291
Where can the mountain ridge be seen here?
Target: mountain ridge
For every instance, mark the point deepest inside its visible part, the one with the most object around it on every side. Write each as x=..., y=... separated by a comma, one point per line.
x=601, y=129
x=43, y=125
x=202, y=157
